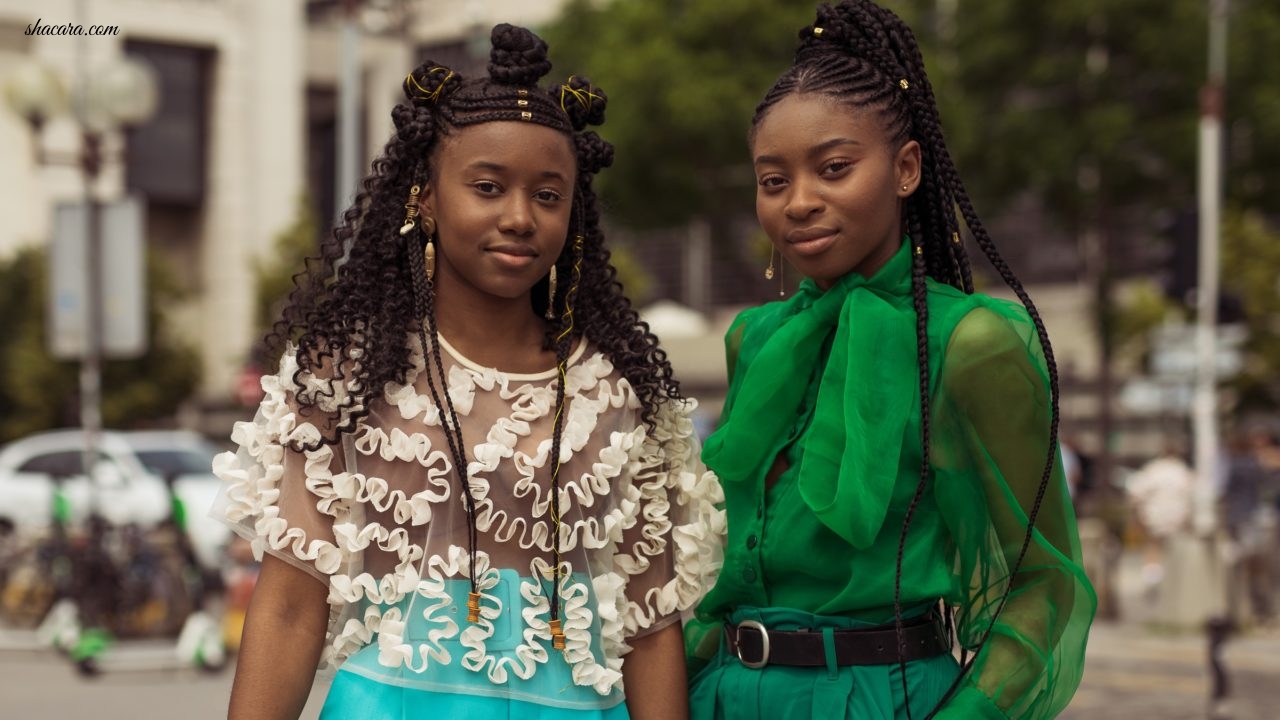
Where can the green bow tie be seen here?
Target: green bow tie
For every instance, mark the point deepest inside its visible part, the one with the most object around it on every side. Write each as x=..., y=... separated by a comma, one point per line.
x=868, y=391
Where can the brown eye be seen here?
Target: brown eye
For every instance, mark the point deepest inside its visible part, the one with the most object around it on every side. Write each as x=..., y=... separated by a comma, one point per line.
x=836, y=166
x=486, y=187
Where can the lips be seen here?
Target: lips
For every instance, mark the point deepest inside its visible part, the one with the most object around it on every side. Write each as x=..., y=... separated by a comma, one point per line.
x=809, y=234
x=512, y=255
x=513, y=249
x=811, y=240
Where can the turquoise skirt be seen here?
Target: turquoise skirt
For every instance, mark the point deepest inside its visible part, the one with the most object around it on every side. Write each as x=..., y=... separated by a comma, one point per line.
x=366, y=690
x=727, y=690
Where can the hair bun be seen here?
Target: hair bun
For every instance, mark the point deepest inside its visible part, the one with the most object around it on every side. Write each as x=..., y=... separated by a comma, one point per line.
x=594, y=152
x=428, y=82
x=518, y=57
x=582, y=101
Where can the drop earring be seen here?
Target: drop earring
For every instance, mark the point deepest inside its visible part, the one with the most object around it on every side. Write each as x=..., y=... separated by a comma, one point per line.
x=551, y=294
x=429, y=260
x=768, y=272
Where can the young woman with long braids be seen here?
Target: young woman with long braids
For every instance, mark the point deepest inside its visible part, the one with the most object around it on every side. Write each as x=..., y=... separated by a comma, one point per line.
x=888, y=445
x=474, y=480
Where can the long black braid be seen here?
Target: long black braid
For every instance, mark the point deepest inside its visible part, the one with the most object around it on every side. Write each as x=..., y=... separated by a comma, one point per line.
x=866, y=57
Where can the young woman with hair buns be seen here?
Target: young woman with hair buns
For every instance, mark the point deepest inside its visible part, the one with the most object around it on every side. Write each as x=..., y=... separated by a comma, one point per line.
x=474, y=484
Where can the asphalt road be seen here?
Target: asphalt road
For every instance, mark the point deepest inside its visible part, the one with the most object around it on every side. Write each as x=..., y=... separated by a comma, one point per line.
x=1130, y=674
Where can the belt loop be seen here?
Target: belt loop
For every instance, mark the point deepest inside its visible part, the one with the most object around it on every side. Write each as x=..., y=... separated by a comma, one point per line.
x=829, y=651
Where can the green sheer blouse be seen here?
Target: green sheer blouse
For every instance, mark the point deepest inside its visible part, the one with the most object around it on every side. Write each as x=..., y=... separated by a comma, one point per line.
x=830, y=379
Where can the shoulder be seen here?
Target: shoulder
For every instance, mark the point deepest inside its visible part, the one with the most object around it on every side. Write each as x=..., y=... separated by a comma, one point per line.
x=986, y=326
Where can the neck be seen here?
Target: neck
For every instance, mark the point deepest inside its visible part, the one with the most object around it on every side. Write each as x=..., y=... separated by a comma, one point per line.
x=502, y=333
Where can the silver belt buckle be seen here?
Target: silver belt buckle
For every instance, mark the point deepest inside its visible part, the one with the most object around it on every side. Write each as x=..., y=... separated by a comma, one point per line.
x=764, y=644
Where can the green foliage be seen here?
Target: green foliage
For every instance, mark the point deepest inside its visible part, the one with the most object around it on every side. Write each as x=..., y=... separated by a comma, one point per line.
x=1251, y=270
x=636, y=281
x=39, y=392
x=683, y=79
x=273, y=275
x=1143, y=307
x=1031, y=92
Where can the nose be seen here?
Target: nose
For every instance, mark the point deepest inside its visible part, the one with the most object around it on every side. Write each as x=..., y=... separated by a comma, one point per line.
x=517, y=217
x=803, y=201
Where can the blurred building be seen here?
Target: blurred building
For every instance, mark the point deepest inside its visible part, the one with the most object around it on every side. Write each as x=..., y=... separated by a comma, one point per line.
x=246, y=127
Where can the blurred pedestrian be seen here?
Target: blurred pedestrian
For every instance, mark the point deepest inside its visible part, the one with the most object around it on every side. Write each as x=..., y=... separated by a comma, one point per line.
x=1250, y=522
x=889, y=441
x=474, y=478
x=1161, y=493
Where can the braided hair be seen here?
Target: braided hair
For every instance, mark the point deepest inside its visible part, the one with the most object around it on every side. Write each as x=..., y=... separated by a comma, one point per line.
x=865, y=57
x=352, y=306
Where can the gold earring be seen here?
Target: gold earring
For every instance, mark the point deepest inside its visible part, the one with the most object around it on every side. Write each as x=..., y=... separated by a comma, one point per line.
x=768, y=272
x=551, y=294
x=428, y=227
x=429, y=260
x=410, y=210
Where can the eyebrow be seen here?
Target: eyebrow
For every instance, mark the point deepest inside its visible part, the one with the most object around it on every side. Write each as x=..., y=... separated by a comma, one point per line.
x=497, y=167
x=815, y=150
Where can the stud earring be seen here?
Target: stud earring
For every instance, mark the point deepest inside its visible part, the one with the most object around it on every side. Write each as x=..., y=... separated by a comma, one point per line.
x=428, y=227
x=551, y=295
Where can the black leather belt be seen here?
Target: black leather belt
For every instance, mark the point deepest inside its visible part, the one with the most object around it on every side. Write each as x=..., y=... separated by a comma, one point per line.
x=757, y=646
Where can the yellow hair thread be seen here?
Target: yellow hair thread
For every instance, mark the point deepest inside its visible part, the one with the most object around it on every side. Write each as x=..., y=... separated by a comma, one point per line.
x=584, y=97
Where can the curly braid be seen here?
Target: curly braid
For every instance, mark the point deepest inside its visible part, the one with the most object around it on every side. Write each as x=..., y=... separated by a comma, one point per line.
x=353, y=305
x=865, y=57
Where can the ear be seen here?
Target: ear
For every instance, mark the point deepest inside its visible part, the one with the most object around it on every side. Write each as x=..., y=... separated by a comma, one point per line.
x=907, y=168
x=426, y=200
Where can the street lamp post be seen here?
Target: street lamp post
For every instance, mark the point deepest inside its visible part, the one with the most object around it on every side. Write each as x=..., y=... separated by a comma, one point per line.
x=122, y=94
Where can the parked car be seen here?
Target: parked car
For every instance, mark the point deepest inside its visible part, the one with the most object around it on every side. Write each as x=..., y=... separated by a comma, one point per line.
x=130, y=477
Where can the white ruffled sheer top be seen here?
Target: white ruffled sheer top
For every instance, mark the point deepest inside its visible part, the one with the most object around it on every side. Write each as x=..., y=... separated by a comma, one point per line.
x=380, y=519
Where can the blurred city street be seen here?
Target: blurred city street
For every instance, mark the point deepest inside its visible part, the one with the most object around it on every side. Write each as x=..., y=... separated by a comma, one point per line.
x=1132, y=673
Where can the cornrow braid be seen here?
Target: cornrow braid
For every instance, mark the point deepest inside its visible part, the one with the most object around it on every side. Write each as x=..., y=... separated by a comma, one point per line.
x=865, y=57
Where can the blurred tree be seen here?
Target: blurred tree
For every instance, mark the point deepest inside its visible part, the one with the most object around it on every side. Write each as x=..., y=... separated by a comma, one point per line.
x=273, y=275
x=38, y=392
x=683, y=79
x=1251, y=269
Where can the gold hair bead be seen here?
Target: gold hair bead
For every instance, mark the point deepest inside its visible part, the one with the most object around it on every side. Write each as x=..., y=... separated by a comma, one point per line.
x=904, y=84
x=955, y=238
x=473, y=607
x=522, y=93
x=919, y=250
x=522, y=103
x=557, y=634
x=526, y=115
x=817, y=31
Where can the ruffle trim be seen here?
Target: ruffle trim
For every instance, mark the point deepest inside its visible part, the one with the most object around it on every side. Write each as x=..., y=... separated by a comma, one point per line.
x=671, y=498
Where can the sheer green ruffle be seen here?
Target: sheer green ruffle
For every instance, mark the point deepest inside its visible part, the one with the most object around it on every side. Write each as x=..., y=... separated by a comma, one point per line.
x=830, y=381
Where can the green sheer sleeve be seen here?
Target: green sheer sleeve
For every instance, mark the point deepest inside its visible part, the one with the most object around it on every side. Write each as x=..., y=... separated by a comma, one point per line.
x=991, y=416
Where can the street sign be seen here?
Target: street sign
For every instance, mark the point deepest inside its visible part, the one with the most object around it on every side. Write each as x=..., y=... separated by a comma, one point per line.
x=123, y=280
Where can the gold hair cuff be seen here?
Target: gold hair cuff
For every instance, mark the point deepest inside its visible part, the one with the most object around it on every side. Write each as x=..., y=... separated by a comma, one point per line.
x=473, y=607
x=526, y=115
x=557, y=634
x=904, y=84
x=817, y=31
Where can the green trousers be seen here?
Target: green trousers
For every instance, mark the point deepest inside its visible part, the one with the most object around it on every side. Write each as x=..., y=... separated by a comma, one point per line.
x=726, y=690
